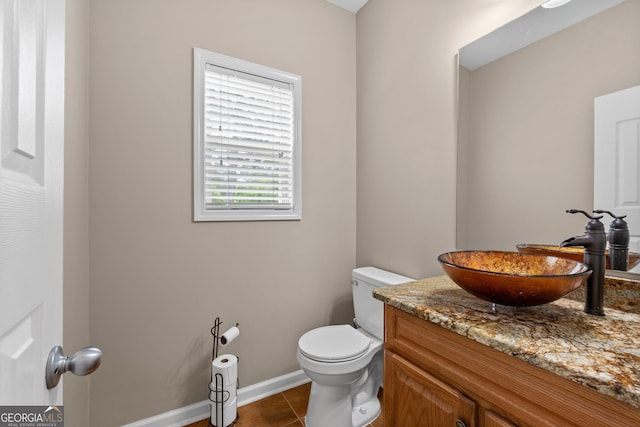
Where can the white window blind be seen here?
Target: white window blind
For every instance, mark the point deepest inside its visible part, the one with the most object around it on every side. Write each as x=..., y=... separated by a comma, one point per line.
x=247, y=144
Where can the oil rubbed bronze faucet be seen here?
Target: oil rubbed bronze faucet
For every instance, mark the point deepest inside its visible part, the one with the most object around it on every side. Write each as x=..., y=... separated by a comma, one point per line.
x=594, y=242
x=618, y=241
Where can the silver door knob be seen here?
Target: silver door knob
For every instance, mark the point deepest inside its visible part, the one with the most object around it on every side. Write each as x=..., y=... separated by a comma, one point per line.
x=83, y=362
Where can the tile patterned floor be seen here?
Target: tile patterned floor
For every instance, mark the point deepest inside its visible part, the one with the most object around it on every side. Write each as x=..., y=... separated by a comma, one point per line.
x=286, y=409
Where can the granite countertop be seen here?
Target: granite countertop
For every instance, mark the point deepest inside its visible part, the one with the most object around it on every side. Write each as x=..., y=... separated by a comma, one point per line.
x=602, y=353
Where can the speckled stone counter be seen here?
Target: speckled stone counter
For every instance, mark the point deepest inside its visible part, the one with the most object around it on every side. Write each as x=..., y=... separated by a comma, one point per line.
x=602, y=353
x=620, y=292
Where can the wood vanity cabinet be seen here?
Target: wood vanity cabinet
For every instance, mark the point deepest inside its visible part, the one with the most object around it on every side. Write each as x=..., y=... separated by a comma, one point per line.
x=436, y=378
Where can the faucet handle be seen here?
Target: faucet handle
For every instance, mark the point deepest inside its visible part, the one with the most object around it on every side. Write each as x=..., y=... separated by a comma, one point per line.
x=607, y=212
x=594, y=225
x=572, y=211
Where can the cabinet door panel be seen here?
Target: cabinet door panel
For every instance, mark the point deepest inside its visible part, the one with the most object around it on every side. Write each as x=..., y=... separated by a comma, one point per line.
x=413, y=398
x=491, y=419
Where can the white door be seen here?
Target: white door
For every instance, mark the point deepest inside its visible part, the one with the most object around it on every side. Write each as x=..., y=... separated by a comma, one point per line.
x=31, y=180
x=617, y=158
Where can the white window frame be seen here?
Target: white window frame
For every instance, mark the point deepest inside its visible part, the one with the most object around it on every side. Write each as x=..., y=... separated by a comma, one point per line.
x=201, y=58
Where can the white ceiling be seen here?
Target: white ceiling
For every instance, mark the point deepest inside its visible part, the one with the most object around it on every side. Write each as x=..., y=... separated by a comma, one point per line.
x=350, y=5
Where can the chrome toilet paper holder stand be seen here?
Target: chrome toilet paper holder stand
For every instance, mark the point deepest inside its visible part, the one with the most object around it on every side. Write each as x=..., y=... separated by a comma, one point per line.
x=219, y=392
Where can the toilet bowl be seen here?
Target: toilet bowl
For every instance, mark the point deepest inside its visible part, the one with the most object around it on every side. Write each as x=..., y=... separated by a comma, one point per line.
x=344, y=363
x=344, y=387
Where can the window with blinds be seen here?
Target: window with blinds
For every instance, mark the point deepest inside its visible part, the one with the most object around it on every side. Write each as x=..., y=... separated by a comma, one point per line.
x=246, y=140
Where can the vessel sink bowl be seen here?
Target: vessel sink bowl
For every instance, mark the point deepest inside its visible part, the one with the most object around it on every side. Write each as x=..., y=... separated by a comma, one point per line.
x=513, y=278
x=574, y=253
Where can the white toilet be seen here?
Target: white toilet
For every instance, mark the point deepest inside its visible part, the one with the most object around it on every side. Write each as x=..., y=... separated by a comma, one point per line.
x=345, y=363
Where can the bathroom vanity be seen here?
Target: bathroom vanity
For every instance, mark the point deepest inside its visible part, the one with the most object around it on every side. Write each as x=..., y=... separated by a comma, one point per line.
x=452, y=359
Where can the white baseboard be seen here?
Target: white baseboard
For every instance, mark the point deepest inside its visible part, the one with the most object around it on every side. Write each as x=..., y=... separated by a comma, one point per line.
x=270, y=387
x=201, y=410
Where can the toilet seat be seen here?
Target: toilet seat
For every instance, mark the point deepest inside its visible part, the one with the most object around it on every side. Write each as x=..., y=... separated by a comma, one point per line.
x=332, y=344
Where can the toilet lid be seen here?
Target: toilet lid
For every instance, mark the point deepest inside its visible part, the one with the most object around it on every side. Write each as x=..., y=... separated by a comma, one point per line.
x=333, y=343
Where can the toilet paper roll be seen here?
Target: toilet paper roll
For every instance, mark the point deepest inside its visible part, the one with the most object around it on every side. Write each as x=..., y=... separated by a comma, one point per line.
x=227, y=366
x=230, y=335
x=224, y=415
x=222, y=394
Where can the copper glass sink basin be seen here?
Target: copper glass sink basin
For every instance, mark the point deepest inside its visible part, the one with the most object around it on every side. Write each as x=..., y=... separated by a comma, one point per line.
x=574, y=253
x=512, y=278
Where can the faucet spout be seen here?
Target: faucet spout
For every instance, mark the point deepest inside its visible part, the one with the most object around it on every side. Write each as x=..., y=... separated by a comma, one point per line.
x=582, y=241
x=594, y=242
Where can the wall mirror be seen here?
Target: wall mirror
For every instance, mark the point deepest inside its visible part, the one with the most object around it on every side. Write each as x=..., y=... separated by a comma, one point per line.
x=526, y=119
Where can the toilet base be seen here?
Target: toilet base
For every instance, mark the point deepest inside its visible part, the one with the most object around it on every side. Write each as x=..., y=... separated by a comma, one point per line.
x=365, y=413
x=332, y=406
x=361, y=415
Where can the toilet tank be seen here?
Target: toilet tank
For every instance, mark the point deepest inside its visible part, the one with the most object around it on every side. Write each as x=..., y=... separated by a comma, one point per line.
x=368, y=310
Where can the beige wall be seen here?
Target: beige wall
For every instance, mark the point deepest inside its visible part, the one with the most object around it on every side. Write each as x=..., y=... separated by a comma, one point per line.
x=530, y=152
x=158, y=280
x=406, y=59
x=76, y=207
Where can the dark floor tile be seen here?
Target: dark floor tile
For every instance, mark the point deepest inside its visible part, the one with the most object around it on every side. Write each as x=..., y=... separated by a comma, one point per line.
x=273, y=411
x=298, y=397
x=286, y=409
x=378, y=422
